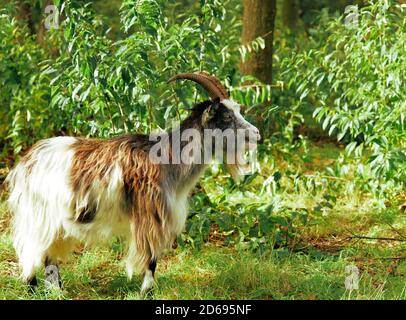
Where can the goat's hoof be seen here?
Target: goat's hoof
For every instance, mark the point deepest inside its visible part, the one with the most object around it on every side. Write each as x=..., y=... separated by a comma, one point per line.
x=52, y=277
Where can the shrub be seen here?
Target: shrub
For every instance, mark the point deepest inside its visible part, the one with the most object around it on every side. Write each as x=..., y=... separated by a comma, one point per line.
x=355, y=82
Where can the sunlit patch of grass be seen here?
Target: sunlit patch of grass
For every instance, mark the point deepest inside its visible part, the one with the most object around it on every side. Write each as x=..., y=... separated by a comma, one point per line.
x=320, y=156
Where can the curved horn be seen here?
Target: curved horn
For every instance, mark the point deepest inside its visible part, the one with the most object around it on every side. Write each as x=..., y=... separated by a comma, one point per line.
x=211, y=84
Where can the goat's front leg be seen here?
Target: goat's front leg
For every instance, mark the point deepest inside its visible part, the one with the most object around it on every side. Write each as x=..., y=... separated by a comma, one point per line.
x=148, y=282
x=52, y=276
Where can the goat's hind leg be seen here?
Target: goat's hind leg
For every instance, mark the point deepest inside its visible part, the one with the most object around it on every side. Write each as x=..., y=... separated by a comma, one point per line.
x=148, y=281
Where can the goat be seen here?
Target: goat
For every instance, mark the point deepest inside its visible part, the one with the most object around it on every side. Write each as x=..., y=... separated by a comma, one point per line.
x=67, y=190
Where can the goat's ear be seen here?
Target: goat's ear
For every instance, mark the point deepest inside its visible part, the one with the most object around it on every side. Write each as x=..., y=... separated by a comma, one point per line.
x=210, y=112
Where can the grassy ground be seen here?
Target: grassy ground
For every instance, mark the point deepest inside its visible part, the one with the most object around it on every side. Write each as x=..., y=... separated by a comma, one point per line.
x=314, y=269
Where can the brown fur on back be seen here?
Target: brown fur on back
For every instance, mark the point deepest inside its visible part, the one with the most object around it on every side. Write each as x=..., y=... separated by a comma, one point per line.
x=142, y=195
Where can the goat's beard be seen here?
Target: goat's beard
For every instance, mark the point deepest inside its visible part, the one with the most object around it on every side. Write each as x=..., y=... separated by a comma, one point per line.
x=241, y=166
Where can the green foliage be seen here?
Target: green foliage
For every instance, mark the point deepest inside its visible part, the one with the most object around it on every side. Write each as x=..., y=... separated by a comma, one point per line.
x=96, y=86
x=261, y=224
x=354, y=80
x=23, y=97
x=114, y=87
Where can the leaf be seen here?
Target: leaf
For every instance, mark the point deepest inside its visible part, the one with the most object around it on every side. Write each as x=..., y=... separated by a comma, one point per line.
x=75, y=91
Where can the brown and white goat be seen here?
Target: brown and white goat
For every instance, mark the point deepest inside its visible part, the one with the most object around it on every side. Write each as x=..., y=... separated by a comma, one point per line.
x=67, y=190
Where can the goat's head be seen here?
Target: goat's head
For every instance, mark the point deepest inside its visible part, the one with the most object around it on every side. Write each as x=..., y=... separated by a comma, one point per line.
x=223, y=119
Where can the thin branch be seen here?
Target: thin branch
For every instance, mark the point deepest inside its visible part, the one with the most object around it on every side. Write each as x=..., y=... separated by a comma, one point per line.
x=375, y=238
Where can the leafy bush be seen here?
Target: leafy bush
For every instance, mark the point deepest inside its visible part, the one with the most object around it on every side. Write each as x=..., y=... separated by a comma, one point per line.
x=23, y=97
x=355, y=81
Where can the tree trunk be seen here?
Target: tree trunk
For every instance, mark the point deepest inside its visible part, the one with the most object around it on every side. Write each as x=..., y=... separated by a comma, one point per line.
x=290, y=13
x=259, y=21
x=41, y=28
x=25, y=15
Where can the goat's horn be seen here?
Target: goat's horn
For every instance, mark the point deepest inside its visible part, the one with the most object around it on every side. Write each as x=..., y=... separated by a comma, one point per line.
x=211, y=84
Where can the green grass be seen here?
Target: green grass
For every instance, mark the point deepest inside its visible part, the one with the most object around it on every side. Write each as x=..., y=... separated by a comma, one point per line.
x=317, y=271
x=221, y=273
